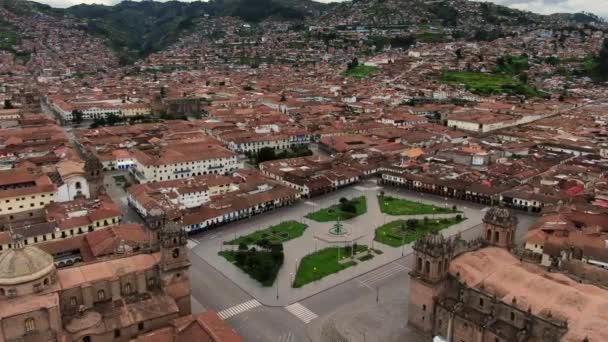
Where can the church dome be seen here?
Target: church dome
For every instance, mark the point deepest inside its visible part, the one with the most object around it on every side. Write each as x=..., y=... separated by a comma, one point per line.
x=501, y=217
x=23, y=265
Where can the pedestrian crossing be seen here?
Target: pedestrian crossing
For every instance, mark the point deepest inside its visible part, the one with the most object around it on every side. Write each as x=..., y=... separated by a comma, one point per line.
x=301, y=312
x=192, y=243
x=372, y=278
x=240, y=308
x=289, y=337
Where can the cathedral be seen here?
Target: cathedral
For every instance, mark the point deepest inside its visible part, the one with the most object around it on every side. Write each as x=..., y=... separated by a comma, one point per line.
x=479, y=291
x=117, y=299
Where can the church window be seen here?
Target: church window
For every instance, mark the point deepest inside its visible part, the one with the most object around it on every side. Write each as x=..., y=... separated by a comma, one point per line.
x=30, y=325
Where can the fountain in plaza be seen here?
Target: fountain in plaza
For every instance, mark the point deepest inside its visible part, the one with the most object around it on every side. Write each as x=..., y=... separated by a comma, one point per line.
x=338, y=229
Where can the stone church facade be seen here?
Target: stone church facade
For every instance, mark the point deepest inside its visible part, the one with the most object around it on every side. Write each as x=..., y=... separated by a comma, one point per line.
x=116, y=299
x=443, y=305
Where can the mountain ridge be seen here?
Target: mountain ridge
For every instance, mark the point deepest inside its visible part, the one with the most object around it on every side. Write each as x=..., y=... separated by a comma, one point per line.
x=136, y=29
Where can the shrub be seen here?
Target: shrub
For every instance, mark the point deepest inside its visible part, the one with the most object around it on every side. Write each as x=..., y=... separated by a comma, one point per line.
x=458, y=217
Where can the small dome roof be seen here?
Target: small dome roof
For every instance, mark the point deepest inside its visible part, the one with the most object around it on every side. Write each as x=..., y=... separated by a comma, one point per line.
x=500, y=217
x=22, y=265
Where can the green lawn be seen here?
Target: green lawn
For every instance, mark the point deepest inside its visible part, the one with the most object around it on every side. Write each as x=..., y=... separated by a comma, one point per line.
x=323, y=263
x=490, y=84
x=276, y=234
x=397, y=233
x=360, y=71
x=399, y=206
x=335, y=212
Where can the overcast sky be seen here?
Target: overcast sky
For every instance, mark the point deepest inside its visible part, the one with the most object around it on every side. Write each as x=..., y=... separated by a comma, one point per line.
x=599, y=7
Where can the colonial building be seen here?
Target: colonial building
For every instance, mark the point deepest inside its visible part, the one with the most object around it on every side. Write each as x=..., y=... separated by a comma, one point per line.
x=116, y=299
x=468, y=292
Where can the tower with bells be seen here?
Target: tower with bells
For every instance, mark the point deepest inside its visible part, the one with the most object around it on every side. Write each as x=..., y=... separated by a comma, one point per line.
x=499, y=226
x=174, y=264
x=432, y=256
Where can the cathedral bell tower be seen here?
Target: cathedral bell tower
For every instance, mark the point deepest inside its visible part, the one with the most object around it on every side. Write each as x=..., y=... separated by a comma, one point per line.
x=432, y=256
x=499, y=226
x=174, y=264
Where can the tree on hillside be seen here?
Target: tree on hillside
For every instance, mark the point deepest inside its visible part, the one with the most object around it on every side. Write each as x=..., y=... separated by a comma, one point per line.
x=77, y=116
x=600, y=72
x=353, y=64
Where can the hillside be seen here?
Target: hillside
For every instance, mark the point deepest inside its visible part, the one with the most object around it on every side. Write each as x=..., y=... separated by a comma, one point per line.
x=136, y=29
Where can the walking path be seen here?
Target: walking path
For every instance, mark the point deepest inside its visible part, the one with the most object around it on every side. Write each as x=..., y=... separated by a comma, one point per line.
x=281, y=293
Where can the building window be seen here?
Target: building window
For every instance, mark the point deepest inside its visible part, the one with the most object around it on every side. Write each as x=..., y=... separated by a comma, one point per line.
x=423, y=307
x=140, y=326
x=512, y=315
x=78, y=185
x=176, y=253
x=481, y=302
x=86, y=339
x=101, y=295
x=127, y=289
x=116, y=333
x=73, y=301
x=30, y=325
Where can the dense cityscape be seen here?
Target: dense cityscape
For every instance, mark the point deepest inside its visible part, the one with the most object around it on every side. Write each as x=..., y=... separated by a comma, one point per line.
x=291, y=171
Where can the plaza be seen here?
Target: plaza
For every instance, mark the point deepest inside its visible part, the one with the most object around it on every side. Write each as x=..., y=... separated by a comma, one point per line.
x=359, y=230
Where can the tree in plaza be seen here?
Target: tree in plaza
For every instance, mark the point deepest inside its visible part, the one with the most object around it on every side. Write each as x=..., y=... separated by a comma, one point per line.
x=8, y=104
x=412, y=223
x=349, y=207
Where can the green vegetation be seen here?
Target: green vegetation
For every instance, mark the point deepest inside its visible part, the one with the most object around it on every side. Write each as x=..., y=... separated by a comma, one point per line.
x=269, y=153
x=322, y=263
x=360, y=71
x=490, y=84
x=432, y=37
x=136, y=29
x=598, y=68
x=262, y=265
x=273, y=235
x=512, y=65
x=344, y=210
x=8, y=39
x=400, y=232
x=398, y=206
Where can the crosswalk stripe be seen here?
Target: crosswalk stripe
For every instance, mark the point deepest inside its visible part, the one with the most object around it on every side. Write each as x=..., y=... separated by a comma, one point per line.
x=381, y=274
x=301, y=312
x=239, y=308
x=289, y=337
x=192, y=243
